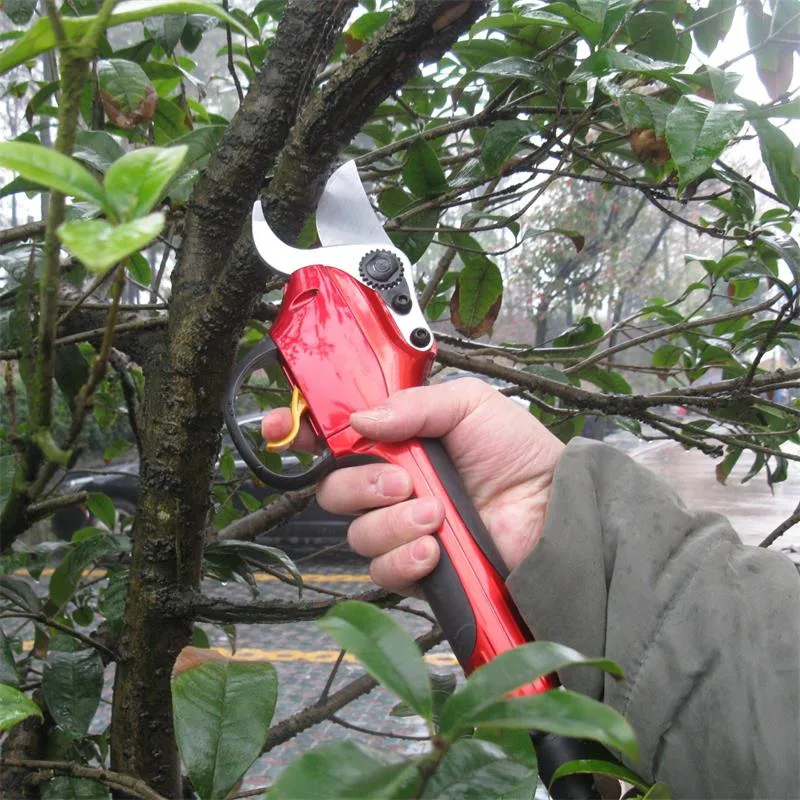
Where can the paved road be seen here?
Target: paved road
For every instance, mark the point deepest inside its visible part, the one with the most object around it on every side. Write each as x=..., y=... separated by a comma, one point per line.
x=753, y=509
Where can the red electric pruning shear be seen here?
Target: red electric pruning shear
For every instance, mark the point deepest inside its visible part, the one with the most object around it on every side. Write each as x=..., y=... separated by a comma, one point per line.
x=349, y=333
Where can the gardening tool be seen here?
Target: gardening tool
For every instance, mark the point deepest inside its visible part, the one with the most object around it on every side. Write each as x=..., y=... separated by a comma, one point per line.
x=349, y=333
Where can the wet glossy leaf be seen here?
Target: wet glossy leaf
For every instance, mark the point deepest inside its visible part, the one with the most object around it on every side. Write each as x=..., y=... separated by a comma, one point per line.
x=126, y=93
x=346, y=769
x=260, y=553
x=507, y=672
x=385, y=650
x=607, y=62
x=46, y=167
x=501, y=142
x=97, y=148
x=15, y=707
x=222, y=710
x=71, y=685
x=40, y=37
x=8, y=669
x=697, y=135
x=475, y=770
x=100, y=244
x=564, y=713
x=520, y=68
x=138, y=180
x=782, y=160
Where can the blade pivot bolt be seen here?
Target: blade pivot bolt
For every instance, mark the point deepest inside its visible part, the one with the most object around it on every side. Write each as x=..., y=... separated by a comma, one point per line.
x=401, y=303
x=381, y=269
x=420, y=337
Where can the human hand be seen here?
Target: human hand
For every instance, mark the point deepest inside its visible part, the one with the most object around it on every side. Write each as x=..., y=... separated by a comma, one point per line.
x=504, y=456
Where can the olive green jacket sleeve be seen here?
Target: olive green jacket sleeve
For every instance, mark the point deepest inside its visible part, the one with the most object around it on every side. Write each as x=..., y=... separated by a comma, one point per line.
x=706, y=629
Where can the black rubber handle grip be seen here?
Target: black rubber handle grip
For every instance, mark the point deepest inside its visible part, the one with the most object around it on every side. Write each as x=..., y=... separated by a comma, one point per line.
x=453, y=609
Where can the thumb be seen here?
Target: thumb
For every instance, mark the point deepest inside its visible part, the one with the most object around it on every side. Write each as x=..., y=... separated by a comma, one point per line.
x=431, y=411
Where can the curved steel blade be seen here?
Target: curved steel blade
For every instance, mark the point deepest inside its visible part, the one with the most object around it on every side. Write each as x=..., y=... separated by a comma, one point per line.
x=344, y=213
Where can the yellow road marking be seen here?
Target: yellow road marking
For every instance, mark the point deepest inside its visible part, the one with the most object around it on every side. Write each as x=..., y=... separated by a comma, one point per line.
x=304, y=656
x=261, y=577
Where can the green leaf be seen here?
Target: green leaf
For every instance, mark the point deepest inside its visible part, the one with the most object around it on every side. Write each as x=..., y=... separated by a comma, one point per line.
x=19, y=11
x=71, y=685
x=597, y=767
x=564, y=713
x=100, y=245
x=666, y=356
x=653, y=34
x=697, y=135
x=18, y=590
x=71, y=371
x=139, y=269
x=385, y=649
x=49, y=168
x=15, y=707
x=478, y=289
x=509, y=671
x=394, y=201
x=346, y=769
x=607, y=61
x=367, y=25
x=519, y=68
x=422, y=172
x=475, y=770
x=711, y=24
x=167, y=30
x=501, y=142
x=607, y=380
x=97, y=148
x=8, y=668
x=103, y=508
x=642, y=111
x=782, y=161
x=80, y=555
x=40, y=37
x=261, y=553
x=137, y=181
x=127, y=94
x=222, y=711
x=658, y=791
x=64, y=788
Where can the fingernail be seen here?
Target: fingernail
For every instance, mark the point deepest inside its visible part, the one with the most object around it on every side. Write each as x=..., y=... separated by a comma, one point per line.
x=424, y=511
x=377, y=414
x=422, y=550
x=393, y=483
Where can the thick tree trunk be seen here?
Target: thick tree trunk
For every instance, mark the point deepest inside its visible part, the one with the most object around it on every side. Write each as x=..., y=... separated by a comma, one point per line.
x=217, y=280
x=185, y=380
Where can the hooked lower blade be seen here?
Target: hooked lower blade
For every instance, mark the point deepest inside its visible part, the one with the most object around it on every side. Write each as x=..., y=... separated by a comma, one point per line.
x=345, y=214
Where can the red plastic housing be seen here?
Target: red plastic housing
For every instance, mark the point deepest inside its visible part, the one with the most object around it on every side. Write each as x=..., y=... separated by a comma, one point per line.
x=341, y=347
